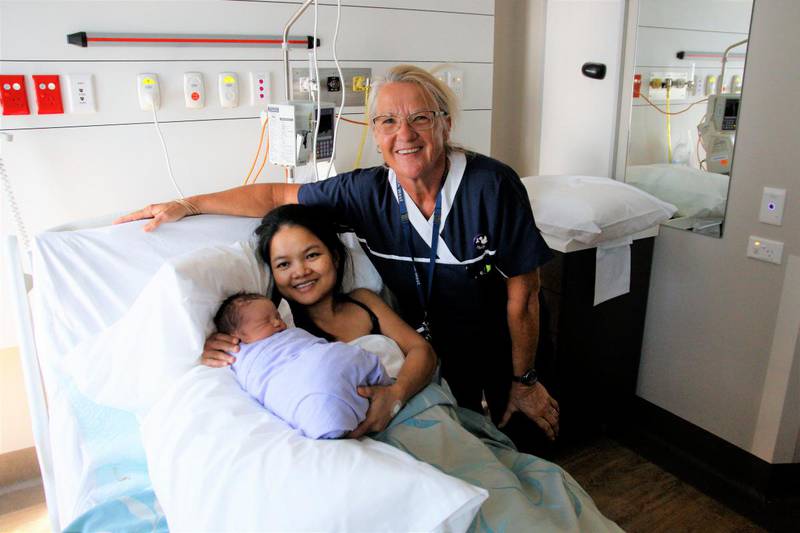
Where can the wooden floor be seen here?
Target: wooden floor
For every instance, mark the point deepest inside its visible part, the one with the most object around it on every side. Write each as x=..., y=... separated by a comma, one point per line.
x=636, y=494
x=641, y=497
x=22, y=508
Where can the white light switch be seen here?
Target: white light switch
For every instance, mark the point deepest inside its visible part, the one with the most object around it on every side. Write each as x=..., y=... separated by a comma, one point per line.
x=765, y=250
x=772, y=202
x=81, y=93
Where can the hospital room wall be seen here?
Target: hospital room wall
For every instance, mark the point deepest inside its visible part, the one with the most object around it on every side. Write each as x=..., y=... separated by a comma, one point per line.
x=721, y=341
x=76, y=166
x=661, y=30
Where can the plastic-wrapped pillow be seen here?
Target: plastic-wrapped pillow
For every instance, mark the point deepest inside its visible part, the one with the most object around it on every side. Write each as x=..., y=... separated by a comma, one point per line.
x=694, y=192
x=591, y=209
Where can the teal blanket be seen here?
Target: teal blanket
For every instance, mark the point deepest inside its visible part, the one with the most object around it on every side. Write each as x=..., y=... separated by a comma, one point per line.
x=525, y=493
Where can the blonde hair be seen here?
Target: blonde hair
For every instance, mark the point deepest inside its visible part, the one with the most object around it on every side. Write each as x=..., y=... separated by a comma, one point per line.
x=434, y=90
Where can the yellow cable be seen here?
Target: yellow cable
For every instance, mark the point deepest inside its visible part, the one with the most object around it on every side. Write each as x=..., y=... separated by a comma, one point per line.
x=364, y=131
x=669, y=131
x=258, y=151
x=263, y=162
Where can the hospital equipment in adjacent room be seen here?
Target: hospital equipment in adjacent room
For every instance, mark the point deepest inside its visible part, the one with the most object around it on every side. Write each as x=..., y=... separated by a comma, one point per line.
x=718, y=128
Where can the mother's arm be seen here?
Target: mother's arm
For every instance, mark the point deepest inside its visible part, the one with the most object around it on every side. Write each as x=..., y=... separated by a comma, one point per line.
x=254, y=200
x=416, y=372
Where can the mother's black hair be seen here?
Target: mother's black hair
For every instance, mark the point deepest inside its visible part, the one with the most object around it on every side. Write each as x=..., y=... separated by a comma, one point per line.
x=318, y=220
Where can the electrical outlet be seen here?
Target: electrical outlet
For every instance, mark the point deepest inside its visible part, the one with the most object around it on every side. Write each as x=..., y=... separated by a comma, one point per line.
x=765, y=250
x=13, y=95
x=48, y=94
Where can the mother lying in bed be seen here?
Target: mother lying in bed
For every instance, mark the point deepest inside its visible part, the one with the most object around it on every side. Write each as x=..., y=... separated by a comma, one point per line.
x=299, y=245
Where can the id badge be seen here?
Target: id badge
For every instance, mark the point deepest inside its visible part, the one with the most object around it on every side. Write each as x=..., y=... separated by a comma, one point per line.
x=425, y=331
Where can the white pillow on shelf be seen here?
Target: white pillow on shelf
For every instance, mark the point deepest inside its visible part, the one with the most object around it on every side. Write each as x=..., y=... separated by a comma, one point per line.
x=590, y=209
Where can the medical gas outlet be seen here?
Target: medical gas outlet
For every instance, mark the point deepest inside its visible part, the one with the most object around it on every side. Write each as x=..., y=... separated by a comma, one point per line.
x=677, y=82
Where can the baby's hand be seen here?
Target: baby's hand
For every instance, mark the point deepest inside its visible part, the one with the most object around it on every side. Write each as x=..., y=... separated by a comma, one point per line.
x=215, y=351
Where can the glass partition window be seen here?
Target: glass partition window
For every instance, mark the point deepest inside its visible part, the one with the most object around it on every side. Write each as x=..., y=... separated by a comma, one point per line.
x=687, y=87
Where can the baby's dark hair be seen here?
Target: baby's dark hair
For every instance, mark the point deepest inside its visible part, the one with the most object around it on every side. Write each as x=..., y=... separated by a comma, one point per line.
x=228, y=317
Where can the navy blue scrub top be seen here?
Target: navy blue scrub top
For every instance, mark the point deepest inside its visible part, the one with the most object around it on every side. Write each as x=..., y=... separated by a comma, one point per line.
x=487, y=226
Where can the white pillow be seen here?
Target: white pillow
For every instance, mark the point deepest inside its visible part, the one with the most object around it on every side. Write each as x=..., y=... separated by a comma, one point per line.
x=590, y=209
x=694, y=192
x=220, y=462
x=130, y=364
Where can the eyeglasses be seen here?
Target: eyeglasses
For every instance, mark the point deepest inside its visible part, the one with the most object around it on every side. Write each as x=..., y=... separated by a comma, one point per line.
x=419, y=121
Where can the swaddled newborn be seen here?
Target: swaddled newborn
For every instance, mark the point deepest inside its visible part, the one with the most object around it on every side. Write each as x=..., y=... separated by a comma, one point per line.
x=305, y=380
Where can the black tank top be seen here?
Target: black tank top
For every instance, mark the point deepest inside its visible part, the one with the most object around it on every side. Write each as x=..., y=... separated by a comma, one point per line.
x=302, y=321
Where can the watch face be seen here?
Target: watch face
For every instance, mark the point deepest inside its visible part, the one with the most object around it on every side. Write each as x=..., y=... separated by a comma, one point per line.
x=529, y=378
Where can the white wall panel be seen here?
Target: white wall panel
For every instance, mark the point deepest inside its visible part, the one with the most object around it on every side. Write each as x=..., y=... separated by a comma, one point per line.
x=71, y=166
x=366, y=33
x=656, y=47
x=719, y=15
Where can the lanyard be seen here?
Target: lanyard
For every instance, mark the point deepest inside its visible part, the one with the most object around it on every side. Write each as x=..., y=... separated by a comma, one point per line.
x=437, y=218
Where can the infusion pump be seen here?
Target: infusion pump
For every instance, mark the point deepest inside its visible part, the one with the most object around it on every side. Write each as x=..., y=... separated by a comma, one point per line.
x=718, y=131
x=291, y=132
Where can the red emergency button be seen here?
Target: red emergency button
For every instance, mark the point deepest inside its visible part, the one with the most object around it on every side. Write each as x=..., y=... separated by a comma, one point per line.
x=195, y=96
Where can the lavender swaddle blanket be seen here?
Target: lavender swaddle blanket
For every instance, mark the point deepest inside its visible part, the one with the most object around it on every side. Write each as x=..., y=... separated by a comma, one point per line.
x=309, y=382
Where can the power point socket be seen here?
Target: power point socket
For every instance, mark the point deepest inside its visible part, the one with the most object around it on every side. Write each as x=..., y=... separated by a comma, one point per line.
x=765, y=250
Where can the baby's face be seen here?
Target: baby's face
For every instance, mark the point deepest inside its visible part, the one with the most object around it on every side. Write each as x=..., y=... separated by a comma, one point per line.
x=259, y=319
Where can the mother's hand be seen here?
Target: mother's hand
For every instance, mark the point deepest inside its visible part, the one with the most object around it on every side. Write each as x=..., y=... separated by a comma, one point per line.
x=216, y=348
x=382, y=408
x=160, y=213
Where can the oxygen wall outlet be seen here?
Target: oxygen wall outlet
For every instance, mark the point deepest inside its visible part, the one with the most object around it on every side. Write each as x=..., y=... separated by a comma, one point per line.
x=149, y=92
x=765, y=250
x=677, y=81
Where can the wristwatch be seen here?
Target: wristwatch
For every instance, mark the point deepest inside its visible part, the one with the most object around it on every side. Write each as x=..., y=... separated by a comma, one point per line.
x=528, y=378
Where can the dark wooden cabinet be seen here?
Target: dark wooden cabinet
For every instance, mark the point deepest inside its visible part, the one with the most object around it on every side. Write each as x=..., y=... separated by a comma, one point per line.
x=594, y=351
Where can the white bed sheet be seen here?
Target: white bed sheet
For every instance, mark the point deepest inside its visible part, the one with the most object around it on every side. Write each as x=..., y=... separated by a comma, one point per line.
x=85, y=278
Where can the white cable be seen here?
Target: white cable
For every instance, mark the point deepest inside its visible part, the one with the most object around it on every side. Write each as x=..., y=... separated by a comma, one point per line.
x=12, y=202
x=319, y=95
x=343, y=84
x=166, y=154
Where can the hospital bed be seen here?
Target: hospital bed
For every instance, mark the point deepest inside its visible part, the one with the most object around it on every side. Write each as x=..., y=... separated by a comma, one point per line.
x=108, y=464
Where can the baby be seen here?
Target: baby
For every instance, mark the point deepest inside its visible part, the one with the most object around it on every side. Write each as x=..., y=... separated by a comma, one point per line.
x=305, y=380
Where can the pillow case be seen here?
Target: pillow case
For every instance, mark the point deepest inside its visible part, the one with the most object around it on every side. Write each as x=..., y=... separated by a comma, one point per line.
x=592, y=209
x=221, y=462
x=131, y=363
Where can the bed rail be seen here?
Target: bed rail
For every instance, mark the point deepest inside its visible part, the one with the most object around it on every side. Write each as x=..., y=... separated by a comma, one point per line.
x=31, y=370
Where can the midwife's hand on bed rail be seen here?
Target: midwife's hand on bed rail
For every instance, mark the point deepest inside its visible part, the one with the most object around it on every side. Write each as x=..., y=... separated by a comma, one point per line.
x=537, y=404
x=216, y=348
x=382, y=401
x=160, y=213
